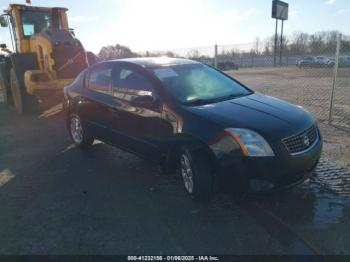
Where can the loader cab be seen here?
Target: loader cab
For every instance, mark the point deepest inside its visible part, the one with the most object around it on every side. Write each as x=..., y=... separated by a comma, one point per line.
x=34, y=22
x=27, y=21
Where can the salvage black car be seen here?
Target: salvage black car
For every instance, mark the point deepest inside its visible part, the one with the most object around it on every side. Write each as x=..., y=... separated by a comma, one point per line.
x=194, y=118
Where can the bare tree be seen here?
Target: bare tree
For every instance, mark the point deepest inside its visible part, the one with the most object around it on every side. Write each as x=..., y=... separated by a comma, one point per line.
x=257, y=46
x=115, y=52
x=299, y=43
x=193, y=54
x=317, y=45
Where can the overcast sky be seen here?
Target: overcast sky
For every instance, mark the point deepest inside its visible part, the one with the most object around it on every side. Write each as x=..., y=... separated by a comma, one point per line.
x=171, y=24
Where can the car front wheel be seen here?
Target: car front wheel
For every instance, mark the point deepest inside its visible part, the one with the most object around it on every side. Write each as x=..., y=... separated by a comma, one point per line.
x=77, y=132
x=196, y=173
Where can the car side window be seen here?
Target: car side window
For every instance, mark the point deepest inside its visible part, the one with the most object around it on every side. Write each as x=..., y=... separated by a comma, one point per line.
x=100, y=79
x=129, y=83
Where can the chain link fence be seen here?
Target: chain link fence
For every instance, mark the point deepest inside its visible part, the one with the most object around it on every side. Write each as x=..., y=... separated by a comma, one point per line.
x=313, y=71
x=315, y=75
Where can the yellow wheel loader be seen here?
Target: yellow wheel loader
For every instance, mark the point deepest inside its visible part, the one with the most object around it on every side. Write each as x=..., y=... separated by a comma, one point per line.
x=46, y=56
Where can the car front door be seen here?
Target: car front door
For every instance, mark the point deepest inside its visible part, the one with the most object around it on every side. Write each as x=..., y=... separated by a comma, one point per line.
x=96, y=100
x=136, y=110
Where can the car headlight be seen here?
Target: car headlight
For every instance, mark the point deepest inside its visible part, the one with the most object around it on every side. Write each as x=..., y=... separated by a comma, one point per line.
x=251, y=143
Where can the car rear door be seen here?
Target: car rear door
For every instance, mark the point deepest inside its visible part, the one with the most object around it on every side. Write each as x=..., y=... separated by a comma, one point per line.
x=134, y=127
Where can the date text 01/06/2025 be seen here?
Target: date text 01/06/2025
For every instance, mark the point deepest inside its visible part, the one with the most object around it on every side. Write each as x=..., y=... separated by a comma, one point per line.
x=173, y=258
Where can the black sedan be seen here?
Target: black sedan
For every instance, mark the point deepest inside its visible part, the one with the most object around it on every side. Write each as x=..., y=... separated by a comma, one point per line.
x=187, y=115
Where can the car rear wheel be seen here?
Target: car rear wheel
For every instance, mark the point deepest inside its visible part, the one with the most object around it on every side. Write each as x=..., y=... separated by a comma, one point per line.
x=196, y=173
x=77, y=132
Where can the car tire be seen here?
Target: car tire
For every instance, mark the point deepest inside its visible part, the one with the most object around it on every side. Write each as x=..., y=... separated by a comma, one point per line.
x=196, y=173
x=77, y=132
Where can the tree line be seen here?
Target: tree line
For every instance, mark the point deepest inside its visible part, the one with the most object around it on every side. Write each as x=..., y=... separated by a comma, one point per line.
x=302, y=43
x=299, y=43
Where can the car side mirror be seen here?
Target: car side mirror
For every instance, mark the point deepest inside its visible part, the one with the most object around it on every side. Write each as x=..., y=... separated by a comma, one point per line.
x=3, y=46
x=3, y=21
x=146, y=101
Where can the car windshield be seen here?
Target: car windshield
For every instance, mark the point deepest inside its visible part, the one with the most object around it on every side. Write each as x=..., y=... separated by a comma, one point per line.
x=198, y=83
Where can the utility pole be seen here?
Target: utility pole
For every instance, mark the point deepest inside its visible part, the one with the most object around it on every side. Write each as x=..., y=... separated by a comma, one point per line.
x=281, y=44
x=275, y=48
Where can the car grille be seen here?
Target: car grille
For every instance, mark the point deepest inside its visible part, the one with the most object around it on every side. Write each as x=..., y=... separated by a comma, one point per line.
x=301, y=142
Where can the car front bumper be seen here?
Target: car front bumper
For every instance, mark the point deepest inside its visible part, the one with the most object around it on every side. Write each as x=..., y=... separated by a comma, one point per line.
x=270, y=173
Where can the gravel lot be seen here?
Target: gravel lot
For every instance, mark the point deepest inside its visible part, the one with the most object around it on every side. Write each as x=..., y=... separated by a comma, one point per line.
x=310, y=88
x=56, y=199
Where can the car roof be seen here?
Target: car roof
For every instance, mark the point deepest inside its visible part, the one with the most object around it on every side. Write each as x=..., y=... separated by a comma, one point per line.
x=154, y=62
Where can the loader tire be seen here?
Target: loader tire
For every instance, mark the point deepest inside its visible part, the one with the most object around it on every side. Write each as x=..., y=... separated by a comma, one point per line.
x=6, y=92
x=24, y=102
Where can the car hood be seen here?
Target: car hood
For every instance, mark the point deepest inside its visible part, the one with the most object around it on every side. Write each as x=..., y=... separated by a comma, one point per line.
x=267, y=115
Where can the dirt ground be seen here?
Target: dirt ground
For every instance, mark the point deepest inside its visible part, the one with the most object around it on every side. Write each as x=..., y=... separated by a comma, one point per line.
x=312, y=89
x=57, y=199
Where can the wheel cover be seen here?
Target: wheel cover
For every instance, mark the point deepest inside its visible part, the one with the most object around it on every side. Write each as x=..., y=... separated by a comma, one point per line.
x=187, y=173
x=76, y=129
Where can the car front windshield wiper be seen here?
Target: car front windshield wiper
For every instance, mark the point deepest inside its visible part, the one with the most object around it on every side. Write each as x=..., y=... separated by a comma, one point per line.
x=231, y=96
x=200, y=101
